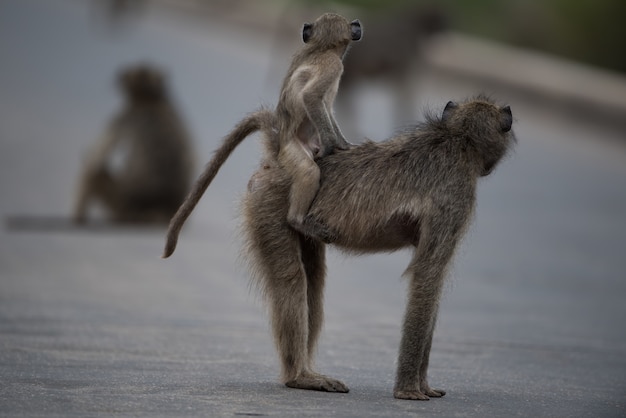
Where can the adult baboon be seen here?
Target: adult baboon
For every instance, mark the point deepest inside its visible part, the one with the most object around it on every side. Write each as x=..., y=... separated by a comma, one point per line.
x=302, y=127
x=156, y=165
x=416, y=189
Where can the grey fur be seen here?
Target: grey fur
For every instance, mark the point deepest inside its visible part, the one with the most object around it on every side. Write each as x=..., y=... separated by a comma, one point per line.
x=416, y=189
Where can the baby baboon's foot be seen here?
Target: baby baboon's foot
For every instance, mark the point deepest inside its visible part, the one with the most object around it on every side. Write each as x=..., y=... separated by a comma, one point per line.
x=319, y=230
x=325, y=150
x=314, y=229
x=314, y=381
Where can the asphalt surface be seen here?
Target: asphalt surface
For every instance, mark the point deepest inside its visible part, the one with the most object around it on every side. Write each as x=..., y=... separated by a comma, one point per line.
x=94, y=323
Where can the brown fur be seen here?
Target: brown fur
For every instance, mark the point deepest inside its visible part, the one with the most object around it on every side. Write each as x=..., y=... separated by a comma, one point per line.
x=302, y=127
x=416, y=190
x=156, y=173
x=307, y=126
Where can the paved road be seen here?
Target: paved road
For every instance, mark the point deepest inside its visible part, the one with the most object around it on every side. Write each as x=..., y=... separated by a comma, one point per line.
x=94, y=323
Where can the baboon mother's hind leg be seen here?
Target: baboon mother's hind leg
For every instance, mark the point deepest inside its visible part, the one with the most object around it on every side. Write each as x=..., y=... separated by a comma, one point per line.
x=295, y=306
x=297, y=313
x=313, y=256
x=291, y=271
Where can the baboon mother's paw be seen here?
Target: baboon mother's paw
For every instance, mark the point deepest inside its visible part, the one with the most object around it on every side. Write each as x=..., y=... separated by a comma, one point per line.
x=434, y=393
x=411, y=395
x=318, y=382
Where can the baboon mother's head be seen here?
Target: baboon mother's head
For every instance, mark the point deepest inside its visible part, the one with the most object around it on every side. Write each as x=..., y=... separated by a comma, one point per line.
x=330, y=31
x=484, y=126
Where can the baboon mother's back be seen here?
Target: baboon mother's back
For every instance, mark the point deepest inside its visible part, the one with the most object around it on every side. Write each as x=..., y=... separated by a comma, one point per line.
x=374, y=196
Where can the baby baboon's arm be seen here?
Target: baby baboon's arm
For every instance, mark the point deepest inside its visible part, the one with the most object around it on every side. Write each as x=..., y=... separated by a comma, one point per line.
x=318, y=96
x=342, y=142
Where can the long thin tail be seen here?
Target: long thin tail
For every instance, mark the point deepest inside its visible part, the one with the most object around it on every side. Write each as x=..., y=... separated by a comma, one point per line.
x=259, y=120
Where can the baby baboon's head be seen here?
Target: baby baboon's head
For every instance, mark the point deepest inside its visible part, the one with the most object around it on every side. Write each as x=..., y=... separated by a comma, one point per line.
x=142, y=83
x=485, y=125
x=330, y=31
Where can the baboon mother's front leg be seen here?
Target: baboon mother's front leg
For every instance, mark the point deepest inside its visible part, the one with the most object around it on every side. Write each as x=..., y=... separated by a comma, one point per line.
x=419, y=323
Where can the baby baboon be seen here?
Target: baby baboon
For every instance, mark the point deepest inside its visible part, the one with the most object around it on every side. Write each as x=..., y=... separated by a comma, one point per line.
x=302, y=127
x=307, y=127
x=155, y=172
x=417, y=189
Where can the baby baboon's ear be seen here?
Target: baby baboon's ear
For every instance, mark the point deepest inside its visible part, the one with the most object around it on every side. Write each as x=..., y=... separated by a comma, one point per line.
x=307, y=31
x=447, y=111
x=357, y=31
x=507, y=119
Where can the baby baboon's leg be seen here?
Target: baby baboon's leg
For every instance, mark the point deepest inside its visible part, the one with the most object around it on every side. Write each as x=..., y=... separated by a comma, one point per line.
x=426, y=276
x=305, y=183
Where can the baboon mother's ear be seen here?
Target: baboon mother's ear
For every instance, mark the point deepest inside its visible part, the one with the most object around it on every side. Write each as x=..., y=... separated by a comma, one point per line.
x=507, y=119
x=307, y=31
x=357, y=31
x=448, y=110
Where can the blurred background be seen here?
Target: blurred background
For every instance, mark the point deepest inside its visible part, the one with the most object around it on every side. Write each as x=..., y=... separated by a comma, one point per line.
x=66, y=55
x=536, y=292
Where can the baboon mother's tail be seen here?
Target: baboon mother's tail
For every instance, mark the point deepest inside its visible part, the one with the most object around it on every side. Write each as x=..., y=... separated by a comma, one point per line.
x=260, y=120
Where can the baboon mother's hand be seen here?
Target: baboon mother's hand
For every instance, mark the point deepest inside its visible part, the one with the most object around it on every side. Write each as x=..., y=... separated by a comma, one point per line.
x=419, y=395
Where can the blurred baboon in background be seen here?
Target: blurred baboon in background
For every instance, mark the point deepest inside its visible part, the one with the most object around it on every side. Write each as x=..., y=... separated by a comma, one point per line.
x=141, y=169
x=391, y=52
x=116, y=11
